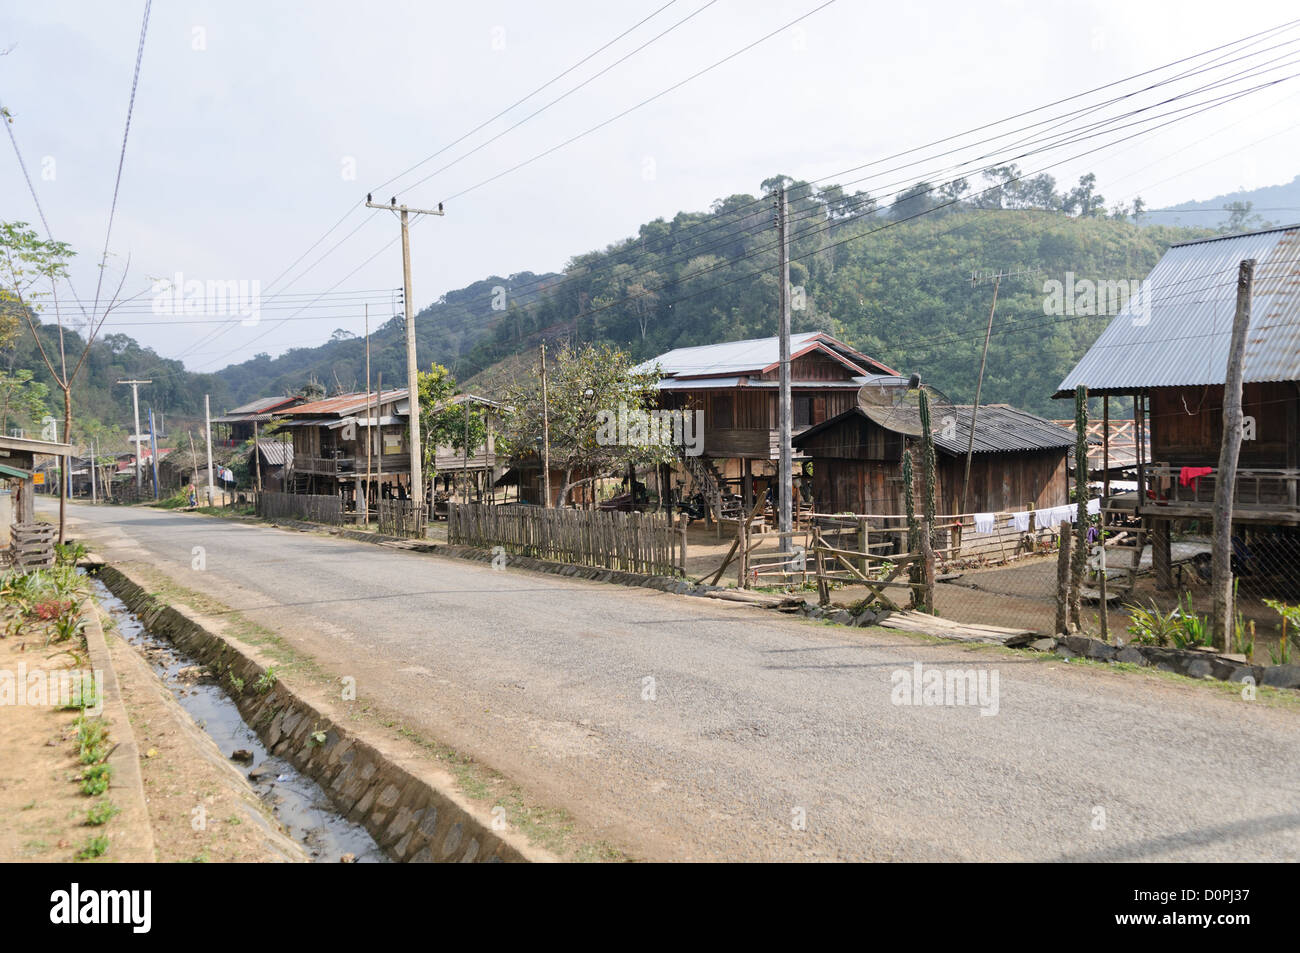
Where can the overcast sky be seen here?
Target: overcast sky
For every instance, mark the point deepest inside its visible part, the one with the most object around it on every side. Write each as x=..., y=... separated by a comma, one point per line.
x=258, y=125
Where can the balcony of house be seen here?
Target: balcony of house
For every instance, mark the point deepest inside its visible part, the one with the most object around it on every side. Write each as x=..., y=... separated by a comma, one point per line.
x=1261, y=495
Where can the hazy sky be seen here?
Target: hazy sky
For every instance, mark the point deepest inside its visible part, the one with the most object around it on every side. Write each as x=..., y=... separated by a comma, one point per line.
x=258, y=125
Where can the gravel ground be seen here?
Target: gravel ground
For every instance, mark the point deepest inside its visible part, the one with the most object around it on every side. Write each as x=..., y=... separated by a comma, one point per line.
x=753, y=722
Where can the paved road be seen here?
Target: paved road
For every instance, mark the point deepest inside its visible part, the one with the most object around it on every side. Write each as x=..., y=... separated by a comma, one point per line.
x=756, y=720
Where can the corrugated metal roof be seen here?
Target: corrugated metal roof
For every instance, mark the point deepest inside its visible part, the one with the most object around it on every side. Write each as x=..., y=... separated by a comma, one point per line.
x=999, y=428
x=1180, y=336
x=255, y=410
x=276, y=452
x=344, y=403
x=750, y=356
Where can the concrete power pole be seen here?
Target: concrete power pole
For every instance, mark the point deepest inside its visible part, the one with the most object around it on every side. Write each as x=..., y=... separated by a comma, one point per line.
x=1225, y=478
x=207, y=430
x=413, y=397
x=135, y=400
x=784, y=413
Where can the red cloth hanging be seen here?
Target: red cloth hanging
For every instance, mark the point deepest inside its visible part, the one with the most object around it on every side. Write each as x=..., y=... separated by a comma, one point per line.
x=1188, y=476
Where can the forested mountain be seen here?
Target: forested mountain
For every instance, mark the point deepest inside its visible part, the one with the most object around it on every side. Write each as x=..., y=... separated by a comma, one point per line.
x=444, y=331
x=1242, y=210
x=895, y=284
x=102, y=407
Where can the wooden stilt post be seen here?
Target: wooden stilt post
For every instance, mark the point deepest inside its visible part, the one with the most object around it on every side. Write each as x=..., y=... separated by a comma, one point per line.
x=1063, y=579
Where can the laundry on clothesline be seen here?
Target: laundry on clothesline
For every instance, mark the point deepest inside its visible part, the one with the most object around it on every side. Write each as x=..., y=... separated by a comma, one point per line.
x=1094, y=506
x=985, y=522
x=1187, y=476
x=1020, y=521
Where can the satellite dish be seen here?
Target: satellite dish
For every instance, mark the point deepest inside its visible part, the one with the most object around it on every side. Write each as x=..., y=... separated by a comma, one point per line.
x=895, y=402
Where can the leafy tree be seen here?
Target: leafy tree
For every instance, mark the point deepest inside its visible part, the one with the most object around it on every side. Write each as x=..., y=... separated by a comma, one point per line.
x=1241, y=218
x=28, y=264
x=585, y=386
x=1083, y=200
x=442, y=423
x=22, y=398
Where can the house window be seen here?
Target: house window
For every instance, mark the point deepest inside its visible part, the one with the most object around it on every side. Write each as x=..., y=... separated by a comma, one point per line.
x=802, y=411
x=809, y=411
x=392, y=443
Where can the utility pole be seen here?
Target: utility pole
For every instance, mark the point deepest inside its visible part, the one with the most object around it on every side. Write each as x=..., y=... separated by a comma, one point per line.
x=546, y=440
x=413, y=397
x=371, y=422
x=465, y=469
x=975, y=279
x=207, y=430
x=784, y=412
x=135, y=401
x=1225, y=478
x=94, y=495
x=257, y=457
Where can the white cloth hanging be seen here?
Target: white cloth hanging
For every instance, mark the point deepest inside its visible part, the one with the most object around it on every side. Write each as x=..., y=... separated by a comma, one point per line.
x=1020, y=521
x=1094, y=506
x=985, y=522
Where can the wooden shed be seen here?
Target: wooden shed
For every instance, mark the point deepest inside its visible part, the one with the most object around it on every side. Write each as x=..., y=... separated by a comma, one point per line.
x=1018, y=462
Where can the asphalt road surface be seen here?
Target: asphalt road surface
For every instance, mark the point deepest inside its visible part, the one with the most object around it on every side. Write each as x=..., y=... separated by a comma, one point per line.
x=683, y=728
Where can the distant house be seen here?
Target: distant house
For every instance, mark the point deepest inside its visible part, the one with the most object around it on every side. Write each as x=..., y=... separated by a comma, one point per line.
x=481, y=463
x=1018, y=462
x=330, y=439
x=235, y=426
x=1167, y=352
x=273, y=463
x=736, y=385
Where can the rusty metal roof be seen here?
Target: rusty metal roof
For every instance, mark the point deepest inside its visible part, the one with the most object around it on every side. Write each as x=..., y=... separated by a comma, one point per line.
x=344, y=403
x=1176, y=333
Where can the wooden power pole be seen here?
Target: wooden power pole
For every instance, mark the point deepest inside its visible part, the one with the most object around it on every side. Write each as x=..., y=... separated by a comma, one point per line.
x=1226, y=475
x=784, y=412
x=546, y=440
x=412, y=389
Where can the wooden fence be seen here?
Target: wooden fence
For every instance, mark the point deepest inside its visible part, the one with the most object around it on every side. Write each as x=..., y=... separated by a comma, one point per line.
x=632, y=542
x=300, y=506
x=401, y=518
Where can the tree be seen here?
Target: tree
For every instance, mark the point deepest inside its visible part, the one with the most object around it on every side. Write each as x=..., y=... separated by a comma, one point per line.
x=914, y=201
x=588, y=389
x=22, y=398
x=443, y=423
x=27, y=264
x=1083, y=200
x=1241, y=218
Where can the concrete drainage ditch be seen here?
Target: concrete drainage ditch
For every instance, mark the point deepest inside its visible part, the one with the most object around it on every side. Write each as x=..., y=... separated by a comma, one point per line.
x=409, y=816
x=297, y=802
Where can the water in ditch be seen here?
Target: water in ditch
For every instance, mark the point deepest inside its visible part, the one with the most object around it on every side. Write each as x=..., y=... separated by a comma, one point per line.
x=297, y=802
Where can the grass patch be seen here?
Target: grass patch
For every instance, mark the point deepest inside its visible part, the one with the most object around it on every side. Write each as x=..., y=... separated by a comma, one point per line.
x=95, y=847
x=101, y=813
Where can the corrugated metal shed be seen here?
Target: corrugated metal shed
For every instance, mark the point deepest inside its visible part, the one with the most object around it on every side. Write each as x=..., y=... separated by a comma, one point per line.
x=276, y=453
x=1177, y=332
x=752, y=356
